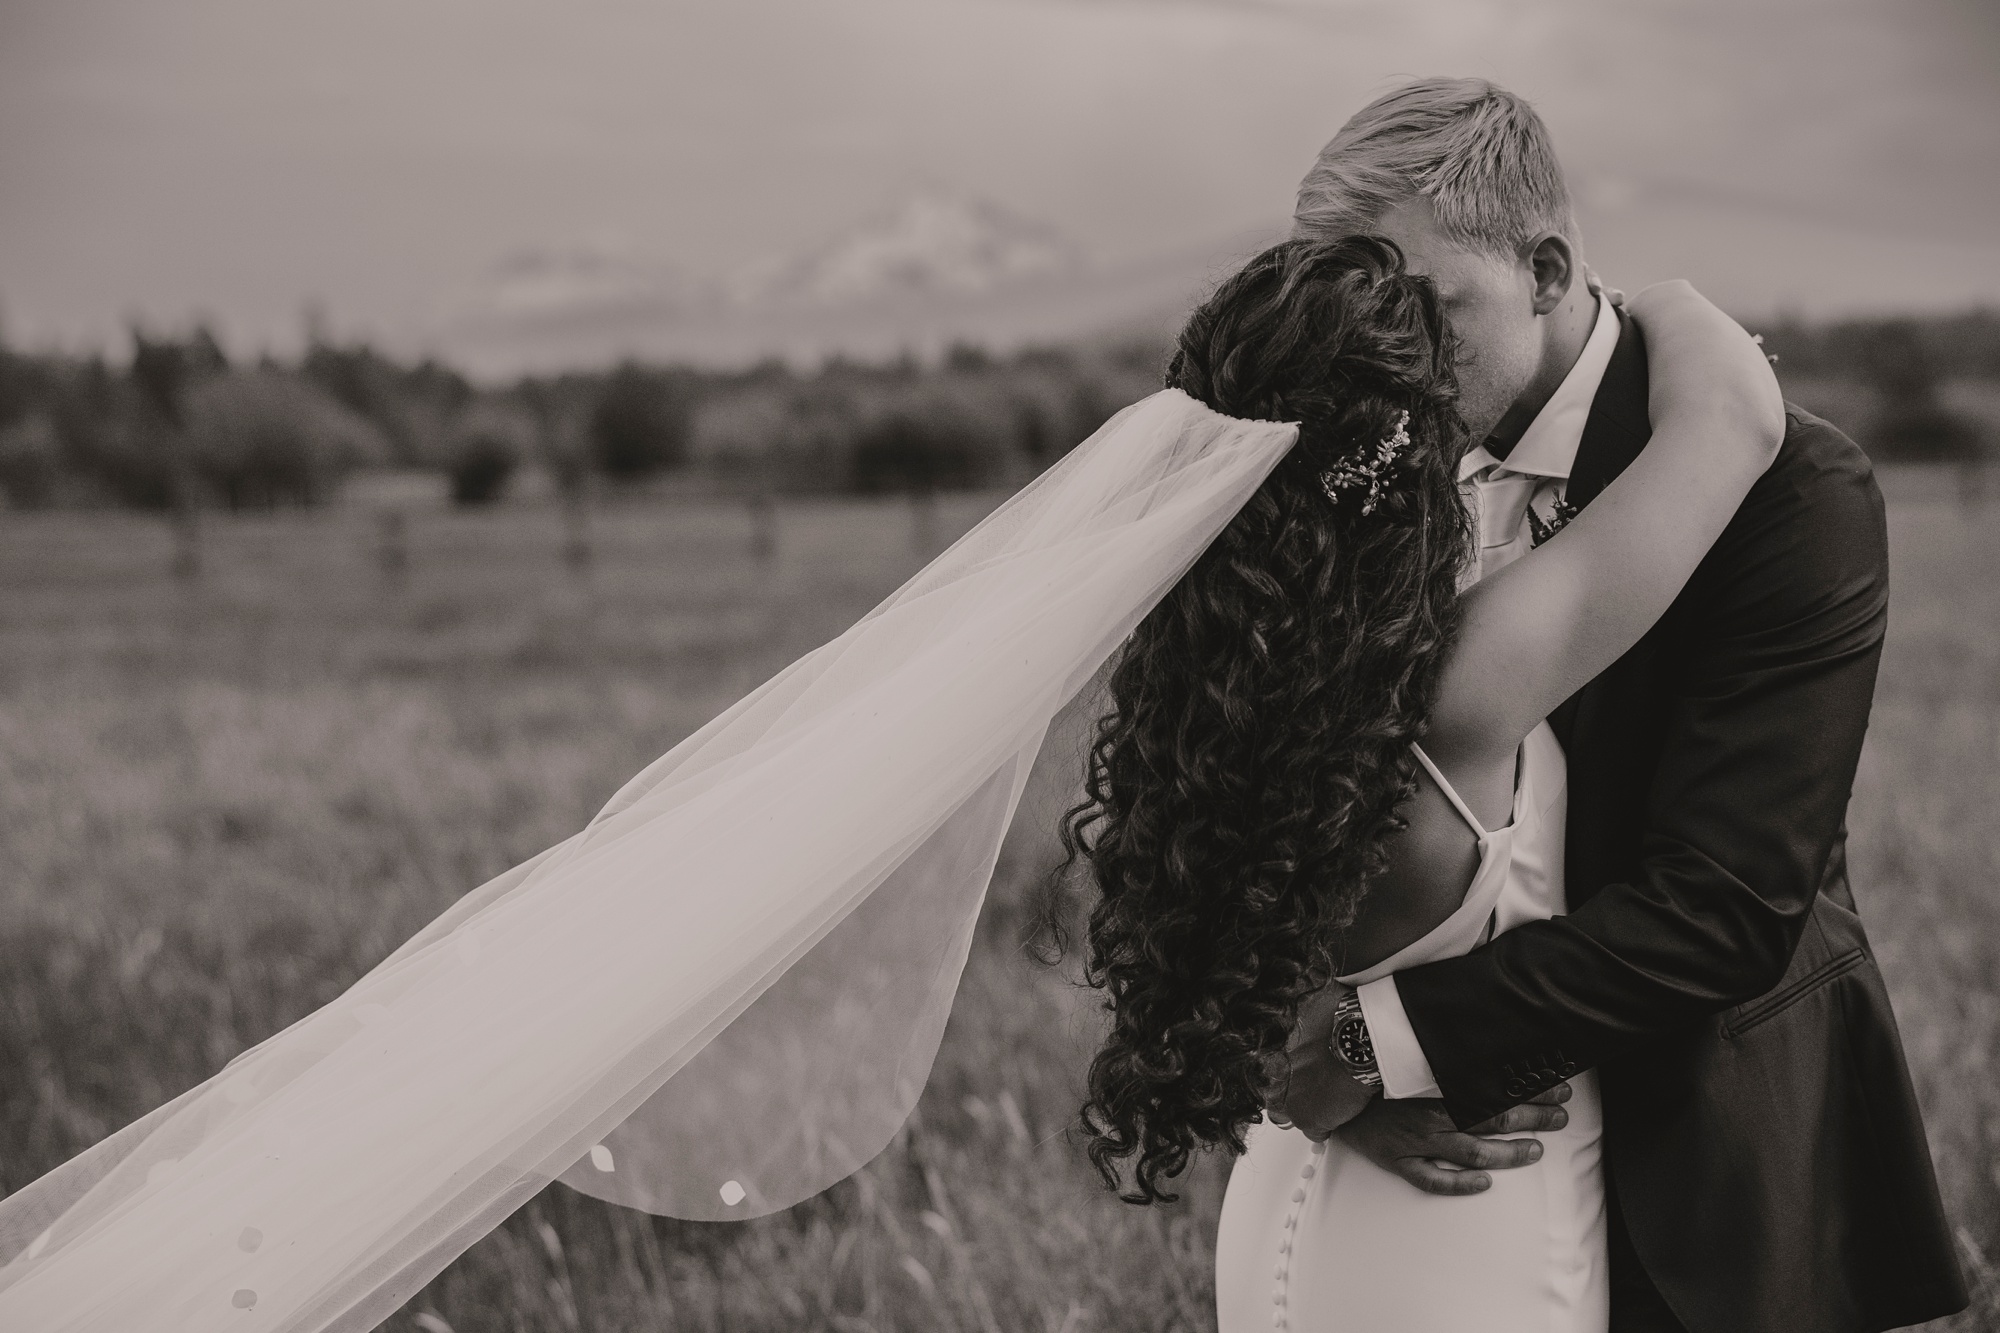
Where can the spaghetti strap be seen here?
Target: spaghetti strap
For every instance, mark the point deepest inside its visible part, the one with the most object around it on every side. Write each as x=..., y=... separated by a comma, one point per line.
x=1472, y=920
x=1450, y=792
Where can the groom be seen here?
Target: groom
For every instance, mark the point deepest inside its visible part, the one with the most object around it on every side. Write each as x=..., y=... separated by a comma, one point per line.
x=1766, y=1166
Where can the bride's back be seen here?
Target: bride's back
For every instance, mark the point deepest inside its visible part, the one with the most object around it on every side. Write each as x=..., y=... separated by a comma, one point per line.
x=1247, y=783
x=1431, y=861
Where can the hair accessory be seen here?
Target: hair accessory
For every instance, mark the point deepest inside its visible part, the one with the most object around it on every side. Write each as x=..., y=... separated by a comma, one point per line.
x=1346, y=476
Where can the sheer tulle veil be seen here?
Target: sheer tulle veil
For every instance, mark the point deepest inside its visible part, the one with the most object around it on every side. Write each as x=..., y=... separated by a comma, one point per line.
x=716, y=1000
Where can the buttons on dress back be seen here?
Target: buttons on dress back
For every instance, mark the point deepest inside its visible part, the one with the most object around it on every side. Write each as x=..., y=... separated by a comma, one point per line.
x=1279, y=1294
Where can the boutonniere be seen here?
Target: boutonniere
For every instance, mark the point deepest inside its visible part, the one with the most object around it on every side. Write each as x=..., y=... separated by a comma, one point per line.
x=1540, y=530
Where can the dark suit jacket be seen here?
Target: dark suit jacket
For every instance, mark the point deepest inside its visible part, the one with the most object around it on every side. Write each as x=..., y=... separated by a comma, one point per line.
x=1761, y=1134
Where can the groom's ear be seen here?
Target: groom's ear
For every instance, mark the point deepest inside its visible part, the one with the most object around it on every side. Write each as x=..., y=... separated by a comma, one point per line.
x=1554, y=264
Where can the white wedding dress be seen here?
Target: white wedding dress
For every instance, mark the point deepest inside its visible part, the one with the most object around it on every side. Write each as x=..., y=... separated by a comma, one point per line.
x=1317, y=1239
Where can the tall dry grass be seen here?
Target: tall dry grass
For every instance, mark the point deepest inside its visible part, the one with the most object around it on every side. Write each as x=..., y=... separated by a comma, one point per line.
x=221, y=803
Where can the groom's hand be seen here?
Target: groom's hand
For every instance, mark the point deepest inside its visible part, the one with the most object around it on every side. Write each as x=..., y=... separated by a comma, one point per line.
x=1414, y=1138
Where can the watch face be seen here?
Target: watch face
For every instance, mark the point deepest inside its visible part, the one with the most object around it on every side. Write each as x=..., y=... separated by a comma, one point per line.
x=1350, y=1038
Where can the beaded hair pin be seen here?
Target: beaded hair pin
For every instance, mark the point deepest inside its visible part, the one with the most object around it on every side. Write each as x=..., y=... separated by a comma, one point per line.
x=1350, y=474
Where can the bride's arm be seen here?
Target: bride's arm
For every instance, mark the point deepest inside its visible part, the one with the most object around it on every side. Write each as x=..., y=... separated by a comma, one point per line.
x=1536, y=632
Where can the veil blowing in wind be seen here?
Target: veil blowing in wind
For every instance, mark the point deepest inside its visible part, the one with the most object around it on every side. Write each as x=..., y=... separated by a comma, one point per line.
x=718, y=999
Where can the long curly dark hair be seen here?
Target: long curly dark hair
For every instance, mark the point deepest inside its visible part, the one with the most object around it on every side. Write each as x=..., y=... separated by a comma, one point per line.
x=1240, y=792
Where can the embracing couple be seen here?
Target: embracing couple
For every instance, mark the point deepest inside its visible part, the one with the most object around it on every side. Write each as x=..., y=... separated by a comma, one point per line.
x=1558, y=632
x=1492, y=662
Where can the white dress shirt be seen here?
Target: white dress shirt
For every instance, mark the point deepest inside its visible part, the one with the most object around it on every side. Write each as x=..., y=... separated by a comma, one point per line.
x=1508, y=501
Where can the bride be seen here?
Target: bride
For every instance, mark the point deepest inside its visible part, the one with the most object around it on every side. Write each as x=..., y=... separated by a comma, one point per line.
x=724, y=994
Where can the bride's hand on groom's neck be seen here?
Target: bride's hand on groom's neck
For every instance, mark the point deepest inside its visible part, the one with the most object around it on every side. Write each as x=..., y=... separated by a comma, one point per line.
x=1597, y=287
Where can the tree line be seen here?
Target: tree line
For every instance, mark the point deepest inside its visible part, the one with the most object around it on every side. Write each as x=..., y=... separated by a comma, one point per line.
x=1904, y=363
x=176, y=425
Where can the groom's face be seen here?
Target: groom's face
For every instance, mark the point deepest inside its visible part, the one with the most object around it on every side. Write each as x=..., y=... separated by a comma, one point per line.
x=1490, y=302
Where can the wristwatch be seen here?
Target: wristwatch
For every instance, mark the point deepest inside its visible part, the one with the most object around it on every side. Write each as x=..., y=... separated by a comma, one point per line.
x=1351, y=1044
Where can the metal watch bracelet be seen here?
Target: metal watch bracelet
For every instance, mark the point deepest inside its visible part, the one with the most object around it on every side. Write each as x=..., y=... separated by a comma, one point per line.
x=1351, y=1044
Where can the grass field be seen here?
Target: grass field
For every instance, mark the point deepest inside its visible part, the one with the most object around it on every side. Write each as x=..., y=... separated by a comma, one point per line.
x=221, y=802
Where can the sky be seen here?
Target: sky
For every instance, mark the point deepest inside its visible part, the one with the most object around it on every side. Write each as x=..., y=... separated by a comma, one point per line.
x=244, y=159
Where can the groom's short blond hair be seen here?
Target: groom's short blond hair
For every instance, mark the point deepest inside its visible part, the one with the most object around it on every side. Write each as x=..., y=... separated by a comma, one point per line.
x=1479, y=153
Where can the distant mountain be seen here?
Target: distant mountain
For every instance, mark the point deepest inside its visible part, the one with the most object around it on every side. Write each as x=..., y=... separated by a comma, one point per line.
x=937, y=268
x=580, y=279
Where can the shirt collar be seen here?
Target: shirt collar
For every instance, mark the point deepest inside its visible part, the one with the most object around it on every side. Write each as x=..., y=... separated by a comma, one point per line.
x=1548, y=447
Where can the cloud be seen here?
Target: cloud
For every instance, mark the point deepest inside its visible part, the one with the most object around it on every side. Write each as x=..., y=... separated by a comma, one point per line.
x=241, y=156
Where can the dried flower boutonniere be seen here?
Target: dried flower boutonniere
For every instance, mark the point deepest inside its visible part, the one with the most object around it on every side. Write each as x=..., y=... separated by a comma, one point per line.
x=1540, y=531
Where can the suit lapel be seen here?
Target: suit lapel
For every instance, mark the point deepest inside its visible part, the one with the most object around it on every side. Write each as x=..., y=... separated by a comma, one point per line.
x=1613, y=434
x=1618, y=426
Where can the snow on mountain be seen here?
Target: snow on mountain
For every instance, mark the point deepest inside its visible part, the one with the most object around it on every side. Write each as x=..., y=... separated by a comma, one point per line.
x=579, y=279
x=935, y=269
x=933, y=243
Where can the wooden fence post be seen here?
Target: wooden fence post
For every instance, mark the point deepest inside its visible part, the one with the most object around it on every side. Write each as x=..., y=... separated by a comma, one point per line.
x=186, y=563
x=763, y=526
x=578, y=553
x=392, y=552
x=923, y=518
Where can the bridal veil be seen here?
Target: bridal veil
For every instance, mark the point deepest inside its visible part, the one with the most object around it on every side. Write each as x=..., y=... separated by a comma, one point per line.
x=716, y=1000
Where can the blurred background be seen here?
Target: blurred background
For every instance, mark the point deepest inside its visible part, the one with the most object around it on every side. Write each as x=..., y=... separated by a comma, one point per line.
x=415, y=417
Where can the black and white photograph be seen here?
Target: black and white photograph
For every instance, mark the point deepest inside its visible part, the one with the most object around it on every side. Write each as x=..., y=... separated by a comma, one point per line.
x=999, y=666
